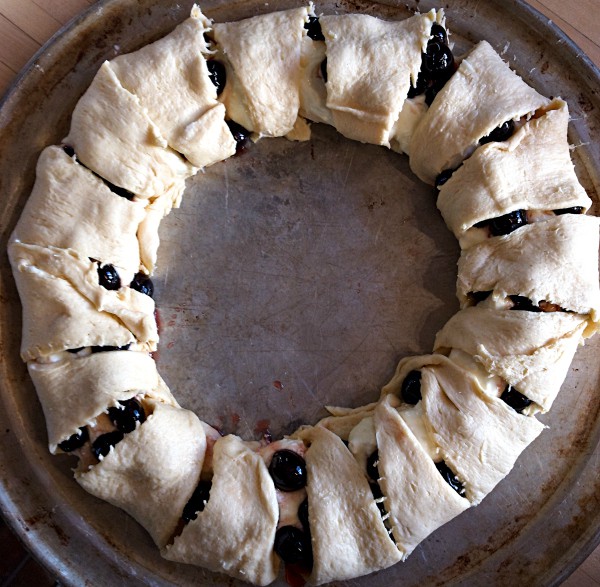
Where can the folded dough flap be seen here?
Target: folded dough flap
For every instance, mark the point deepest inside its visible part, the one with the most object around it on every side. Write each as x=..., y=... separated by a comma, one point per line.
x=480, y=96
x=171, y=80
x=532, y=170
x=262, y=55
x=480, y=437
x=531, y=351
x=153, y=471
x=370, y=66
x=349, y=538
x=555, y=261
x=113, y=135
x=343, y=420
x=75, y=390
x=65, y=307
x=71, y=208
x=418, y=499
x=235, y=532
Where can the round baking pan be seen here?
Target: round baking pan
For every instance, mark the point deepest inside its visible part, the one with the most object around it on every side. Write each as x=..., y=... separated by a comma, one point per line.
x=294, y=277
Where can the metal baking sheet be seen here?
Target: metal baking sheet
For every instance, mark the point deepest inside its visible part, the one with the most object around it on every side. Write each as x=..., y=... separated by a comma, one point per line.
x=292, y=277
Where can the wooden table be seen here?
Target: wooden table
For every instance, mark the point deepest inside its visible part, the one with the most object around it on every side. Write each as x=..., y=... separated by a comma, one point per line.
x=26, y=24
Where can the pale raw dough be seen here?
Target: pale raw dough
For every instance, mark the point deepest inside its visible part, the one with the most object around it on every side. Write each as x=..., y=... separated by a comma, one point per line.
x=480, y=437
x=235, y=532
x=64, y=307
x=480, y=96
x=349, y=538
x=555, y=260
x=531, y=351
x=171, y=80
x=263, y=58
x=417, y=498
x=531, y=171
x=370, y=66
x=71, y=208
x=75, y=390
x=153, y=471
x=113, y=135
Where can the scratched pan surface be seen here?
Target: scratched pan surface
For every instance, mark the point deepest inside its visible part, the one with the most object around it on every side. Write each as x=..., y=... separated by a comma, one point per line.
x=293, y=277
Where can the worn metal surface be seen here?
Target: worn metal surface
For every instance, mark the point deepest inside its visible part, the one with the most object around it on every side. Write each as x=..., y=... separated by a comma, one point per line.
x=293, y=277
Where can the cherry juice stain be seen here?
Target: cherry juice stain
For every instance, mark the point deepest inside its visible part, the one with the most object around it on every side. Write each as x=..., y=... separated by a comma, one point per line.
x=277, y=385
x=262, y=429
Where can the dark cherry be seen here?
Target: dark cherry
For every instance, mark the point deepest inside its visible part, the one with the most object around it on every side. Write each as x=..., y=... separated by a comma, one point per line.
x=573, y=210
x=75, y=441
x=68, y=150
x=241, y=136
x=108, y=277
x=288, y=470
x=313, y=29
x=500, y=133
x=524, y=304
x=507, y=223
x=142, y=283
x=126, y=417
x=197, y=502
x=217, y=74
x=372, y=462
x=102, y=445
x=439, y=61
x=411, y=388
x=419, y=88
x=438, y=33
x=303, y=515
x=107, y=349
x=479, y=296
x=450, y=477
x=443, y=177
x=118, y=190
x=293, y=546
x=324, y=69
x=516, y=400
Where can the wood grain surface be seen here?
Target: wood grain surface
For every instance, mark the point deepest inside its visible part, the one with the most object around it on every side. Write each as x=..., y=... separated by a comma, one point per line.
x=25, y=25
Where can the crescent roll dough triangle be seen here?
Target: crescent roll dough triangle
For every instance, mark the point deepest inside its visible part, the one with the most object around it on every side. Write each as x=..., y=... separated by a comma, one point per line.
x=153, y=471
x=71, y=208
x=113, y=135
x=349, y=538
x=66, y=307
x=480, y=436
x=235, y=531
x=171, y=80
x=481, y=95
x=370, y=66
x=418, y=498
x=532, y=171
x=75, y=390
x=529, y=350
x=555, y=260
x=267, y=74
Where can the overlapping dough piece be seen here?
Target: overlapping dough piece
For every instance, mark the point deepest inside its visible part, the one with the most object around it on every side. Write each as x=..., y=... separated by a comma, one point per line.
x=481, y=95
x=349, y=538
x=370, y=66
x=532, y=171
x=153, y=471
x=262, y=57
x=236, y=530
x=418, y=498
x=65, y=307
x=113, y=135
x=529, y=350
x=71, y=208
x=555, y=260
x=75, y=390
x=171, y=80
